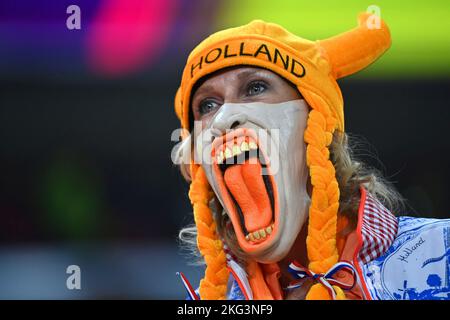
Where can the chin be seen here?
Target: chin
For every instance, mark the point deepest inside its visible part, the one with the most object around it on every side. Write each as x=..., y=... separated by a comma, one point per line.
x=262, y=189
x=281, y=244
x=249, y=197
x=277, y=252
x=267, y=211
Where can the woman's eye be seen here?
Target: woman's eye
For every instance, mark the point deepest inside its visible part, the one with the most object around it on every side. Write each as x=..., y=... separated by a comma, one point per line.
x=206, y=106
x=256, y=87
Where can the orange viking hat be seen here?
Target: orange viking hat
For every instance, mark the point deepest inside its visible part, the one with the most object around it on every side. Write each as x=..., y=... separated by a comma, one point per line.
x=313, y=66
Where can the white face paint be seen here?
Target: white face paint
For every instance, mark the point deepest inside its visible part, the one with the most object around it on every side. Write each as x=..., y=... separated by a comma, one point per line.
x=264, y=232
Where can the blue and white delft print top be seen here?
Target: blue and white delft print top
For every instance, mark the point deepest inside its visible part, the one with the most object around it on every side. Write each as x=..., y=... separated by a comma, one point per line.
x=416, y=266
x=399, y=258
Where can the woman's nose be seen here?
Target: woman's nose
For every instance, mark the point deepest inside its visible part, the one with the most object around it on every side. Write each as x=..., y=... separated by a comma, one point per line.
x=226, y=121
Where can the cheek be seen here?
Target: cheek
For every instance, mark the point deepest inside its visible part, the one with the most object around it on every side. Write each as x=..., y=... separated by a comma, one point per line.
x=202, y=147
x=206, y=120
x=292, y=92
x=286, y=92
x=197, y=146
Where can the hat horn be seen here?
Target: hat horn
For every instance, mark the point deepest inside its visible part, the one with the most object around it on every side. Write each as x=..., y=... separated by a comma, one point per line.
x=354, y=50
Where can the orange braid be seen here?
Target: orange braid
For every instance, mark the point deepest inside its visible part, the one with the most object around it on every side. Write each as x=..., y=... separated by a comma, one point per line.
x=214, y=284
x=321, y=239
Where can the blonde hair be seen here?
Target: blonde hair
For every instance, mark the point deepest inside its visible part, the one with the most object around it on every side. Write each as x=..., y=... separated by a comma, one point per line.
x=350, y=172
x=326, y=63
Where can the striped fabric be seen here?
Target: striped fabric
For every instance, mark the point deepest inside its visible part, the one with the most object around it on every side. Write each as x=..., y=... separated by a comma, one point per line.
x=378, y=230
x=230, y=256
x=378, y=227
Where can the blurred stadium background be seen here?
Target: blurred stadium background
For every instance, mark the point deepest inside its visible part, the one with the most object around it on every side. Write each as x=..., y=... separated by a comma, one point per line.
x=86, y=117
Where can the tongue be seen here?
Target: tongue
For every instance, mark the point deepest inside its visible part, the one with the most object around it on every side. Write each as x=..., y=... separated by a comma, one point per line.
x=246, y=184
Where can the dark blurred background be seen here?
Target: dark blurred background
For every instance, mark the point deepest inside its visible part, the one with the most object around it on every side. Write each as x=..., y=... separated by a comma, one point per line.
x=86, y=117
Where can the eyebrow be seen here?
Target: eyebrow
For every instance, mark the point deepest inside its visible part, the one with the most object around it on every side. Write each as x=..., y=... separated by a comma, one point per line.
x=245, y=74
x=202, y=88
x=241, y=76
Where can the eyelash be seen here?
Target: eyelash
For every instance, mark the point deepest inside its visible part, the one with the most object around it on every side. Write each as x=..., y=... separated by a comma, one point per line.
x=252, y=84
x=202, y=104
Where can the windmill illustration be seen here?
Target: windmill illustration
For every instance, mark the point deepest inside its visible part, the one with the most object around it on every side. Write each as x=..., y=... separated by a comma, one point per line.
x=407, y=293
x=446, y=255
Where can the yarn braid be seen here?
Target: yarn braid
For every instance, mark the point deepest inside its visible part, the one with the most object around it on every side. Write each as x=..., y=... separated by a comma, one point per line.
x=321, y=239
x=214, y=284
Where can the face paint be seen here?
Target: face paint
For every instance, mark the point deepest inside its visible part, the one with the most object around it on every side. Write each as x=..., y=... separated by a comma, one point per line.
x=258, y=172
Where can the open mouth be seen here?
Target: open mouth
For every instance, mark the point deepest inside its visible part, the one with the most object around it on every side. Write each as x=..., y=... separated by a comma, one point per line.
x=250, y=197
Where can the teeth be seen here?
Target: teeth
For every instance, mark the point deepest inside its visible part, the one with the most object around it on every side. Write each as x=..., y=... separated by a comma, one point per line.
x=244, y=146
x=220, y=157
x=228, y=153
x=236, y=150
x=260, y=234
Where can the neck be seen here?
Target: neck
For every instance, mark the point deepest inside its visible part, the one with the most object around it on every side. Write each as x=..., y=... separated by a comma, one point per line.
x=298, y=253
